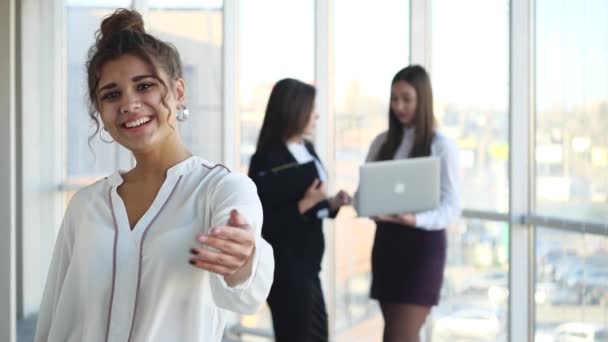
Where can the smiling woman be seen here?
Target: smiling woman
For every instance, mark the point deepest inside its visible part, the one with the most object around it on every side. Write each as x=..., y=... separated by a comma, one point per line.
x=174, y=240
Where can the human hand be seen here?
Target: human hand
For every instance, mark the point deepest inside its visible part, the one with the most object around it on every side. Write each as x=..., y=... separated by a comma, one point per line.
x=342, y=198
x=407, y=219
x=234, y=246
x=314, y=194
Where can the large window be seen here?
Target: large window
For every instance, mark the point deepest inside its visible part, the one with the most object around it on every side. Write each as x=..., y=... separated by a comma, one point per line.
x=571, y=285
x=276, y=41
x=571, y=169
x=470, y=74
x=474, y=298
x=371, y=45
x=195, y=28
x=572, y=109
x=465, y=45
x=86, y=160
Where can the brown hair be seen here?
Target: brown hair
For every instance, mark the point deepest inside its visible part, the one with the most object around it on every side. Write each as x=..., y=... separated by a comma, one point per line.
x=123, y=33
x=287, y=113
x=424, y=118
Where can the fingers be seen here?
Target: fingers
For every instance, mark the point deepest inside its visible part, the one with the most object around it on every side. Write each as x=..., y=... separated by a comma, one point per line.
x=237, y=220
x=343, y=198
x=314, y=184
x=384, y=218
x=238, y=235
x=217, y=262
x=323, y=188
x=230, y=245
x=238, y=250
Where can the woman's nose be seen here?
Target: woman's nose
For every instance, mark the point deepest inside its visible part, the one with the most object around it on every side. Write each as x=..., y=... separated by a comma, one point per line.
x=129, y=103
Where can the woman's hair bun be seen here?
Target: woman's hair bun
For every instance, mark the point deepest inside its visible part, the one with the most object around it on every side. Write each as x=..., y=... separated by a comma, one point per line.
x=121, y=20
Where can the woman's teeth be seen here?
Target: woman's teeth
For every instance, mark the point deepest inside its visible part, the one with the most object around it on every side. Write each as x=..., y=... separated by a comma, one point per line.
x=137, y=122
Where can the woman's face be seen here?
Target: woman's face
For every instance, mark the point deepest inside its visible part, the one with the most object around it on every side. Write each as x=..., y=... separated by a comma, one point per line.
x=130, y=103
x=309, y=129
x=403, y=103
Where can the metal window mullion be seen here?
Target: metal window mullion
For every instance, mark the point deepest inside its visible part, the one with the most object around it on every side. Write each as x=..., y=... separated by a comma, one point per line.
x=521, y=257
x=557, y=223
x=231, y=124
x=485, y=215
x=324, y=136
x=420, y=33
x=8, y=326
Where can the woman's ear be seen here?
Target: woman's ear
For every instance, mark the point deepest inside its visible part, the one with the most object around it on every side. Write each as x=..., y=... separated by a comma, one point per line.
x=180, y=90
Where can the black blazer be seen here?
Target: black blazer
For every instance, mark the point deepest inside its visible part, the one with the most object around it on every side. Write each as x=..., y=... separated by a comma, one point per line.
x=297, y=239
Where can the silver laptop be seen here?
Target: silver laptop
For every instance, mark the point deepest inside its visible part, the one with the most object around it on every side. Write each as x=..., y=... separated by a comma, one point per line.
x=398, y=186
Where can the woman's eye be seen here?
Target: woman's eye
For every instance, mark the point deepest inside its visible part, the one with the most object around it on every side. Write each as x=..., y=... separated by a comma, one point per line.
x=110, y=95
x=144, y=86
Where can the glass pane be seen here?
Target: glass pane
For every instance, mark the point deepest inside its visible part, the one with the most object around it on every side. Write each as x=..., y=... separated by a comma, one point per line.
x=475, y=296
x=361, y=112
x=85, y=161
x=186, y=4
x=470, y=73
x=572, y=286
x=572, y=108
x=277, y=41
x=197, y=33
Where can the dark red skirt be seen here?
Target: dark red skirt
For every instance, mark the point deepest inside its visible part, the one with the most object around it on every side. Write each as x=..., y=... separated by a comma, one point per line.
x=408, y=264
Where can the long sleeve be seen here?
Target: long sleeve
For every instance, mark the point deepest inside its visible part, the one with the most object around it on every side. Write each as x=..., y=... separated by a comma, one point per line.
x=450, y=203
x=235, y=191
x=60, y=263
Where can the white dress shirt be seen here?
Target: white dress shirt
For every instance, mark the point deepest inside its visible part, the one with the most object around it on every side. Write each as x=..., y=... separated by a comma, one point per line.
x=449, y=209
x=107, y=282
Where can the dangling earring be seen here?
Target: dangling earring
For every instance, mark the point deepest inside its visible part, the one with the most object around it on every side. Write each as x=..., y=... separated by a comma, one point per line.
x=107, y=141
x=183, y=114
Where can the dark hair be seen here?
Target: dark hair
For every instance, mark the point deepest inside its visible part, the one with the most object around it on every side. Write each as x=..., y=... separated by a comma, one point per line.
x=424, y=119
x=287, y=113
x=123, y=33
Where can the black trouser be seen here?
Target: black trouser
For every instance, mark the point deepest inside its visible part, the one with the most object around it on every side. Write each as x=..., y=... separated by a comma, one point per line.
x=298, y=309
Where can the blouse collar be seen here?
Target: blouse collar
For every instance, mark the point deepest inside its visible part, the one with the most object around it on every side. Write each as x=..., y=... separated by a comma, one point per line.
x=179, y=169
x=409, y=132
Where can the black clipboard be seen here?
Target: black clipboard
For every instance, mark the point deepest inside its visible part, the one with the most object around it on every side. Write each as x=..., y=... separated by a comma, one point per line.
x=288, y=180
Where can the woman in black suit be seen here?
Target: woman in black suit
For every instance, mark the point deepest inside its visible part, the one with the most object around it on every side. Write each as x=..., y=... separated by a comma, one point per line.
x=292, y=221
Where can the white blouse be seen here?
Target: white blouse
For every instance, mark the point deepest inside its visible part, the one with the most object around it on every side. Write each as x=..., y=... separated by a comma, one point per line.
x=107, y=282
x=449, y=209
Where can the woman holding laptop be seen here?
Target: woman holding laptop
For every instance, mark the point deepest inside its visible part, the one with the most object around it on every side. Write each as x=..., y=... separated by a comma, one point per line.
x=292, y=216
x=416, y=241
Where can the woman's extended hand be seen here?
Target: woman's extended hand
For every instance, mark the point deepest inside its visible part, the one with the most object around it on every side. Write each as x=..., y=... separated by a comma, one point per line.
x=341, y=198
x=233, y=246
x=407, y=219
x=314, y=194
